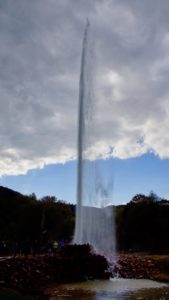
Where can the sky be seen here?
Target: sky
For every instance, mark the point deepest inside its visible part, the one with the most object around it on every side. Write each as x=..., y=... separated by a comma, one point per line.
x=40, y=55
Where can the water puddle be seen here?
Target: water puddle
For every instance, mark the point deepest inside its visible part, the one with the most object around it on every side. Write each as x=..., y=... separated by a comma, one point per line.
x=114, y=289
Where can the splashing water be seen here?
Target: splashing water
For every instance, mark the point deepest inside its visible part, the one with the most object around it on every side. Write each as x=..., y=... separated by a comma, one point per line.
x=94, y=214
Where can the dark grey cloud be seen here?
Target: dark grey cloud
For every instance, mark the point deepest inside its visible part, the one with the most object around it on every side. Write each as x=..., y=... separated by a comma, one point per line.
x=39, y=75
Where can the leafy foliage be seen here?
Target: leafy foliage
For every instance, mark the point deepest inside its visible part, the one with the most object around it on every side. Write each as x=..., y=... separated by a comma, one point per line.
x=144, y=224
x=141, y=225
x=25, y=217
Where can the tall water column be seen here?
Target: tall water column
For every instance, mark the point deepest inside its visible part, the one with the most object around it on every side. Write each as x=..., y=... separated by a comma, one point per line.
x=94, y=214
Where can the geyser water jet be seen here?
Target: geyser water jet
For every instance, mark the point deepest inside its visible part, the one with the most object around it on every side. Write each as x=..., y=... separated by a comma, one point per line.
x=94, y=214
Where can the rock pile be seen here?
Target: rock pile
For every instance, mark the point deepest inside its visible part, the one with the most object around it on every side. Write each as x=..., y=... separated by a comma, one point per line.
x=133, y=266
x=71, y=263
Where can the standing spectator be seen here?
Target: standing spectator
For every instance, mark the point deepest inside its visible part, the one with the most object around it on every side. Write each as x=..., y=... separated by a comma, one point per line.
x=61, y=243
x=16, y=248
x=55, y=246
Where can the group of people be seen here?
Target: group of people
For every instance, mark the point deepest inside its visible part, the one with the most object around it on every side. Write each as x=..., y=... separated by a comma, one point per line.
x=28, y=247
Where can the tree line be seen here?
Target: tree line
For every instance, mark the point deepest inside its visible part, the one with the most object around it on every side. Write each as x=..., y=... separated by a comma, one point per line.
x=141, y=225
x=25, y=218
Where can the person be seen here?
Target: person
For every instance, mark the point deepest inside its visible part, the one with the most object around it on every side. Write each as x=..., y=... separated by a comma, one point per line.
x=16, y=248
x=26, y=247
x=50, y=246
x=61, y=244
x=35, y=248
x=3, y=247
x=55, y=246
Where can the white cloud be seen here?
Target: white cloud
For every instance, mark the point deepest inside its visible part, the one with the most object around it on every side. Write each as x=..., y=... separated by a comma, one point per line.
x=39, y=75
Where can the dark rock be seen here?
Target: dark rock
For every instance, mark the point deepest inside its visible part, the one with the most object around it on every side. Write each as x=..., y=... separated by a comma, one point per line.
x=72, y=263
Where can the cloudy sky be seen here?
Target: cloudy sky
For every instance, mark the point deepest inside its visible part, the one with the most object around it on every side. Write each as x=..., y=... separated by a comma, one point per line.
x=40, y=53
